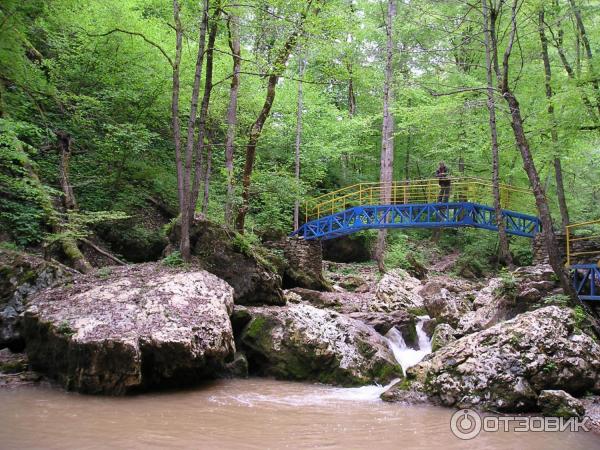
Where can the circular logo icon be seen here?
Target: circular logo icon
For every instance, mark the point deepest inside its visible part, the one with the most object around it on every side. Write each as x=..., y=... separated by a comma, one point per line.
x=465, y=424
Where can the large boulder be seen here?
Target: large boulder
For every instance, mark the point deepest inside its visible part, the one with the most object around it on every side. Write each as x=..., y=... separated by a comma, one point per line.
x=21, y=276
x=397, y=291
x=443, y=334
x=135, y=328
x=232, y=258
x=505, y=367
x=301, y=342
x=445, y=300
x=557, y=403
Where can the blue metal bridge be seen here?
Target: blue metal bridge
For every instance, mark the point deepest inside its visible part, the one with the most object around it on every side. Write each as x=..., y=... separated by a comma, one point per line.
x=433, y=215
x=424, y=204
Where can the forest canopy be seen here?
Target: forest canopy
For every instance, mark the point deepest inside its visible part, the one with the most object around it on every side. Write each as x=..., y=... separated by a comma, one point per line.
x=87, y=91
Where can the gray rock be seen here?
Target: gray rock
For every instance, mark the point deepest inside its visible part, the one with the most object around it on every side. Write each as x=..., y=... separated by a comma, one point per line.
x=141, y=327
x=557, y=403
x=505, y=367
x=301, y=342
x=240, y=264
x=442, y=336
x=406, y=393
x=316, y=298
x=21, y=276
x=443, y=304
x=397, y=291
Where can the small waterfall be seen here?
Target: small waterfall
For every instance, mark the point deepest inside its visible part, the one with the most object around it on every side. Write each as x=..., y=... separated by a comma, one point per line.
x=408, y=357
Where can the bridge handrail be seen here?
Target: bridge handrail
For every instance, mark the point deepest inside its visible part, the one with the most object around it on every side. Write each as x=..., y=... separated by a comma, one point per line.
x=574, y=235
x=415, y=191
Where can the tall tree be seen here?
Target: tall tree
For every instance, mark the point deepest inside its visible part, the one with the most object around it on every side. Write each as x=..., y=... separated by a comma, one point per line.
x=550, y=240
x=558, y=172
x=186, y=205
x=505, y=256
x=387, y=133
x=256, y=129
x=299, y=108
x=234, y=46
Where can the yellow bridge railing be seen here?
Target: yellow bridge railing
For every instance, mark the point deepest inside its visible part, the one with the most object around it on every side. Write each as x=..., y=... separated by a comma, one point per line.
x=583, y=242
x=473, y=190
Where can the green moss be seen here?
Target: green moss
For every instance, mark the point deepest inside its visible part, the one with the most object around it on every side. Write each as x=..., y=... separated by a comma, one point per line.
x=65, y=329
x=255, y=328
x=418, y=311
x=104, y=272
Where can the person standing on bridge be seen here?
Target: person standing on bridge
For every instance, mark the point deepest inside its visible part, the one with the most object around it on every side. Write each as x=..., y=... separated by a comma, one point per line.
x=444, y=180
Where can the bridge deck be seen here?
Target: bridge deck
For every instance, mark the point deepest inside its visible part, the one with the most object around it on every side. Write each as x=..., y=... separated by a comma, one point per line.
x=433, y=215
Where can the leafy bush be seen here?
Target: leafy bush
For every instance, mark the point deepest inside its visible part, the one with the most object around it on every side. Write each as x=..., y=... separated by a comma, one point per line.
x=173, y=260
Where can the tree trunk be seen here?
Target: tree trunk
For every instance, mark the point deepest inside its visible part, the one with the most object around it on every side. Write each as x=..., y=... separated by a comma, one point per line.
x=298, y=139
x=387, y=133
x=528, y=163
x=184, y=244
x=558, y=44
x=588, y=50
x=69, y=245
x=207, y=174
x=257, y=126
x=560, y=190
x=505, y=257
x=234, y=45
x=199, y=172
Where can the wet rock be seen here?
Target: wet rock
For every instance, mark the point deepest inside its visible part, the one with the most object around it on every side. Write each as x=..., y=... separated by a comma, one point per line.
x=140, y=327
x=442, y=336
x=384, y=322
x=301, y=342
x=396, y=291
x=21, y=276
x=238, y=368
x=316, y=298
x=406, y=393
x=242, y=265
x=557, y=403
x=506, y=366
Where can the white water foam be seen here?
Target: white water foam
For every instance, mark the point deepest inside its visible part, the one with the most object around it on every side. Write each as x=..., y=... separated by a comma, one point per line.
x=406, y=356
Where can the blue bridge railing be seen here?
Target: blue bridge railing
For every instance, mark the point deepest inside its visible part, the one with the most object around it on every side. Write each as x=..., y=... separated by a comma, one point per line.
x=430, y=215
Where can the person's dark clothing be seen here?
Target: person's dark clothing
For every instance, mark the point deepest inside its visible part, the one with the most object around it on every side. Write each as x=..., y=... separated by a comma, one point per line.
x=444, y=181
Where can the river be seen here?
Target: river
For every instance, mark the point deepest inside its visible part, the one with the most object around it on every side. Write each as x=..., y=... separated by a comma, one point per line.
x=244, y=414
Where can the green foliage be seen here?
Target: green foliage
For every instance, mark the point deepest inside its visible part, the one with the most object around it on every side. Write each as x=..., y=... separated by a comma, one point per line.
x=580, y=316
x=508, y=285
x=25, y=209
x=65, y=329
x=558, y=300
x=403, y=252
x=104, y=272
x=173, y=260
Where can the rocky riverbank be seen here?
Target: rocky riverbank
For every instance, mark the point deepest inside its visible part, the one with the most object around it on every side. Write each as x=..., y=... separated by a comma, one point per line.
x=506, y=344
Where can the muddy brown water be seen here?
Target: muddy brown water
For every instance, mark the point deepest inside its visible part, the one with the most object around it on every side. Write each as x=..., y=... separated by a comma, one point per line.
x=244, y=414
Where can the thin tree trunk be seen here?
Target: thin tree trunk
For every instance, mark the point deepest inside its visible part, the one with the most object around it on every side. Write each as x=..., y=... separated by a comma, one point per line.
x=505, y=256
x=528, y=163
x=298, y=139
x=558, y=44
x=387, y=134
x=588, y=50
x=184, y=245
x=257, y=126
x=207, y=174
x=234, y=45
x=560, y=190
x=68, y=244
x=199, y=173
